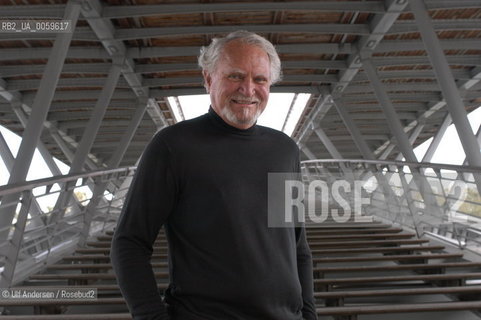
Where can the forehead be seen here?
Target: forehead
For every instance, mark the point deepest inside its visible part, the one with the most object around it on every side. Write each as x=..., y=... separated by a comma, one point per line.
x=245, y=57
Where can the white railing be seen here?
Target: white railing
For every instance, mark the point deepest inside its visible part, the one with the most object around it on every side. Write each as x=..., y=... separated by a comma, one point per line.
x=41, y=232
x=432, y=199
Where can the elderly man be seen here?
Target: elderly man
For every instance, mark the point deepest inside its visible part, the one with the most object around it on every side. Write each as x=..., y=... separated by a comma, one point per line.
x=205, y=181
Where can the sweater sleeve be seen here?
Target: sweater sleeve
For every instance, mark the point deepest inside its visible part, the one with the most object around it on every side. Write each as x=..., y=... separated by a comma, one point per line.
x=304, y=266
x=150, y=200
x=304, y=269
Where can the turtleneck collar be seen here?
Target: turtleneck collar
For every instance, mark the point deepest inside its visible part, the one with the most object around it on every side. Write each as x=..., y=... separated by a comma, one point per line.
x=219, y=122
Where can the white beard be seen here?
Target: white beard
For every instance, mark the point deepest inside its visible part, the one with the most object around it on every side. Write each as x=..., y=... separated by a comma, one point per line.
x=243, y=120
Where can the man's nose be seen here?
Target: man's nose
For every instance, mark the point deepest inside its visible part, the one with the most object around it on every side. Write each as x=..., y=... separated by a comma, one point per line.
x=247, y=87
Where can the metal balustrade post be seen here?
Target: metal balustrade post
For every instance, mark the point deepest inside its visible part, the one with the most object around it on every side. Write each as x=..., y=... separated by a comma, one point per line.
x=410, y=203
x=448, y=86
x=20, y=263
x=468, y=227
x=40, y=108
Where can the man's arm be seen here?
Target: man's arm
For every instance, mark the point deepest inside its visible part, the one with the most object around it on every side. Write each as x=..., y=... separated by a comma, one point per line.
x=149, y=202
x=304, y=263
x=304, y=269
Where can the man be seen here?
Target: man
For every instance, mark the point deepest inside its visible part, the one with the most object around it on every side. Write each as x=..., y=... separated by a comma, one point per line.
x=205, y=181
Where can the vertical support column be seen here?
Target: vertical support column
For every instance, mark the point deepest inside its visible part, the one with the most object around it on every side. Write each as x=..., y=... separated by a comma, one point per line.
x=40, y=109
x=112, y=163
x=448, y=86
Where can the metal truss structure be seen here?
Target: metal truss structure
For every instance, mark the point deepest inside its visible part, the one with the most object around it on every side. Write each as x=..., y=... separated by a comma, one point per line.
x=384, y=77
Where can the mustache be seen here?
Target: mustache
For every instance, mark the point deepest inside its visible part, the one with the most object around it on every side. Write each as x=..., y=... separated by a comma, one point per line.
x=244, y=99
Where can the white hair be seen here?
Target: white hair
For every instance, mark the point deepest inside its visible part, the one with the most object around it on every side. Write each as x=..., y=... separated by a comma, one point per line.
x=210, y=55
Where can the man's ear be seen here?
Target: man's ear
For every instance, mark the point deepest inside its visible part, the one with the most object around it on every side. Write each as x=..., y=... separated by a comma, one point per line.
x=207, y=80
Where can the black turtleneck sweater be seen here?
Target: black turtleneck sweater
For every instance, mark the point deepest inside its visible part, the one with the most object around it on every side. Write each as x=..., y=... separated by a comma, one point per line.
x=206, y=183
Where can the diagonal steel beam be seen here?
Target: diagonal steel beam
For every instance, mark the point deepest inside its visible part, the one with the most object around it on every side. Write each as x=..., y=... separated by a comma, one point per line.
x=88, y=139
x=437, y=106
x=379, y=25
x=309, y=154
x=446, y=81
x=437, y=138
x=388, y=109
x=104, y=29
x=413, y=137
x=353, y=130
x=331, y=148
x=321, y=107
x=113, y=162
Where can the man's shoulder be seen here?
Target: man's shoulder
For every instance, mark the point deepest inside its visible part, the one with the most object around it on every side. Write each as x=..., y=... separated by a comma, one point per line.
x=181, y=128
x=278, y=136
x=279, y=139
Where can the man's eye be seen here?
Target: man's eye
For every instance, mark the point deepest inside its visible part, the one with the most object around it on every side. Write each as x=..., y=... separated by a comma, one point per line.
x=235, y=77
x=261, y=80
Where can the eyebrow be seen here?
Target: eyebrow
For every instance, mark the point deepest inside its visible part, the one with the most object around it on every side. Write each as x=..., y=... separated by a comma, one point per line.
x=236, y=70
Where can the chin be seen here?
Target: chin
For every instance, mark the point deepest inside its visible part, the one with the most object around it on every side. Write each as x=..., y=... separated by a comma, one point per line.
x=248, y=118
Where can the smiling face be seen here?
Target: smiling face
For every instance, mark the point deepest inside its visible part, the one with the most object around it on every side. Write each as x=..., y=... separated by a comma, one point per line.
x=239, y=85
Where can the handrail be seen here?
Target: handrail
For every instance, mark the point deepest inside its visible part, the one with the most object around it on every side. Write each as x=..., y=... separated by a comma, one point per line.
x=34, y=239
x=434, y=199
x=470, y=169
x=28, y=185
